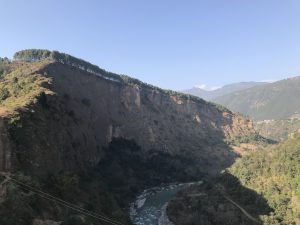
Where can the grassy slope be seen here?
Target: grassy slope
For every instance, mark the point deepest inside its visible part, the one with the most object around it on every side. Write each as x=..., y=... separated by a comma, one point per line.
x=20, y=84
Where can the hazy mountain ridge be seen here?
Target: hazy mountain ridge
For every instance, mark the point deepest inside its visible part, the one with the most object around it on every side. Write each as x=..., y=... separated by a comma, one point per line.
x=271, y=101
x=209, y=95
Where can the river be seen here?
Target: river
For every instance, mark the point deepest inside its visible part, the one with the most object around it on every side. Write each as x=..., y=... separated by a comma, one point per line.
x=149, y=208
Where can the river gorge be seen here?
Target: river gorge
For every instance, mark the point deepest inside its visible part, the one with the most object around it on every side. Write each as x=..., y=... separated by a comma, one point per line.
x=150, y=206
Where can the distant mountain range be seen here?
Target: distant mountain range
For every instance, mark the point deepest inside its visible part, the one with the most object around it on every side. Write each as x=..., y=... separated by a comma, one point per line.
x=278, y=100
x=227, y=89
x=259, y=100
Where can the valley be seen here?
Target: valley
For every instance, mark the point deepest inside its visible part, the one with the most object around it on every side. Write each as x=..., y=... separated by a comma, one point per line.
x=269, y=170
x=97, y=139
x=149, y=112
x=263, y=184
x=110, y=145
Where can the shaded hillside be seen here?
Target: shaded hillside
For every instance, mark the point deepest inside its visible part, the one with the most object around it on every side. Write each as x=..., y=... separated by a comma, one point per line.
x=223, y=200
x=230, y=88
x=276, y=100
x=265, y=183
x=71, y=129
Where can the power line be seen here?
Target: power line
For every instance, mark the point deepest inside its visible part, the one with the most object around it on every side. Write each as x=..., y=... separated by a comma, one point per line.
x=65, y=203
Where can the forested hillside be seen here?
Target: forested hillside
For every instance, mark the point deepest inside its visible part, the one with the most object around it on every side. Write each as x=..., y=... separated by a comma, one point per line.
x=275, y=173
x=264, y=183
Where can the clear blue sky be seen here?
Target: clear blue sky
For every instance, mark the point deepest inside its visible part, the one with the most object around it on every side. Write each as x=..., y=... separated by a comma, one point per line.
x=169, y=43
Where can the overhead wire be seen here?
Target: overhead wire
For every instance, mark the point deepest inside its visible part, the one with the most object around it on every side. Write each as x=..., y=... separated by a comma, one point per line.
x=65, y=203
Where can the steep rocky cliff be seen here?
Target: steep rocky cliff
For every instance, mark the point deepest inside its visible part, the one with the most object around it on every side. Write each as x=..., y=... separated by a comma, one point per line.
x=76, y=114
x=61, y=117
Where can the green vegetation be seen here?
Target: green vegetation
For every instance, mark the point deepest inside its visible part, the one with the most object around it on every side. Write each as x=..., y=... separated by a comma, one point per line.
x=208, y=203
x=278, y=130
x=219, y=107
x=19, y=85
x=31, y=55
x=4, y=66
x=275, y=174
x=265, y=182
x=250, y=139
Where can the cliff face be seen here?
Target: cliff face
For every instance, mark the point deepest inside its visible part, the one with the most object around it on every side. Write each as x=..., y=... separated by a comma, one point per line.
x=76, y=114
x=95, y=139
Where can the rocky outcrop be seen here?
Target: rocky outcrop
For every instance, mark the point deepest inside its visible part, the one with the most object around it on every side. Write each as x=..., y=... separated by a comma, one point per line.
x=80, y=113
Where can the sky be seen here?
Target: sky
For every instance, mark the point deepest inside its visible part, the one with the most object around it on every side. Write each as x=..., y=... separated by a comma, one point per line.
x=169, y=43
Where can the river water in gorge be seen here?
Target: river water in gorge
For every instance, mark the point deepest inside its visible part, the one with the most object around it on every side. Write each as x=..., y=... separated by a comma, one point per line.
x=149, y=208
